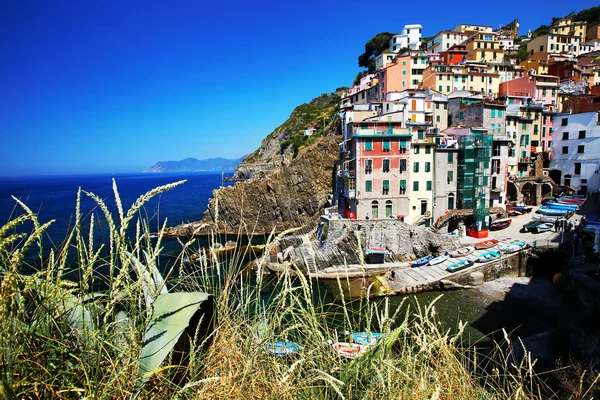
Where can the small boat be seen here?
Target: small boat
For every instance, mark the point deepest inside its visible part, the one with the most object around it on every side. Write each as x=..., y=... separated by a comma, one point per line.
x=551, y=211
x=514, y=213
x=439, y=259
x=500, y=224
x=460, y=265
x=522, y=209
x=530, y=226
x=366, y=338
x=512, y=247
x=281, y=349
x=545, y=218
x=543, y=227
x=377, y=250
x=422, y=261
x=559, y=206
x=486, y=244
x=488, y=256
x=349, y=350
x=463, y=251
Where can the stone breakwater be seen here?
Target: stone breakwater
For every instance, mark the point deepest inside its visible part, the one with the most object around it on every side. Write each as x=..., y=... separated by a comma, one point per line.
x=293, y=194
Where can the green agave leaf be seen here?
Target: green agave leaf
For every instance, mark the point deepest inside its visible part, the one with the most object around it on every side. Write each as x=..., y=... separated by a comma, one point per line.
x=171, y=314
x=152, y=281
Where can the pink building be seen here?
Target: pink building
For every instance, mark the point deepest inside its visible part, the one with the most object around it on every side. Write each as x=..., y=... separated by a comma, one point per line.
x=542, y=89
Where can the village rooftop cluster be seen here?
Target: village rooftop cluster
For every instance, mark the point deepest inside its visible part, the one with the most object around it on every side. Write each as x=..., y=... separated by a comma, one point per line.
x=456, y=124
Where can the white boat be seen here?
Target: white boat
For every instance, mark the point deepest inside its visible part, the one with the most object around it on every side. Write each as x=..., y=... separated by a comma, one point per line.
x=439, y=259
x=463, y=251
x=512, y=247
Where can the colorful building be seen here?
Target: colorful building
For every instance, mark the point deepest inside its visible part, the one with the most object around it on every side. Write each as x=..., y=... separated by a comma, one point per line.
x=444, y=40
x=376, y=170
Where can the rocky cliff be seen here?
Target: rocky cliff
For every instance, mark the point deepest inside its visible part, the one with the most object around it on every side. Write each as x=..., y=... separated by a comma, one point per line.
x=291, y=195
x=287, y=180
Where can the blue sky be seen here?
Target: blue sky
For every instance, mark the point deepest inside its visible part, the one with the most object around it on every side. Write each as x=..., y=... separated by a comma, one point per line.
x=115, y=86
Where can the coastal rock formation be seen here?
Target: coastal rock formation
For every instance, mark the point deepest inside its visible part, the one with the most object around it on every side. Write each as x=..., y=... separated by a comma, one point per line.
x=292, y=195
x=343, y=242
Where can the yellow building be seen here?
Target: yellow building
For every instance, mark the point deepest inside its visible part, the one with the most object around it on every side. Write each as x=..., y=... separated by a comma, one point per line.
x=484, y=46
x=555, y=44
x=472, y=29
x=446, y=79
x=566, y=26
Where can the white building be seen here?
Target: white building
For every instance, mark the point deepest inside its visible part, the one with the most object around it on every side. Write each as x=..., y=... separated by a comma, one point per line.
x=444, y=40
x=410, y=37
x=576, y=158
x=588, y=47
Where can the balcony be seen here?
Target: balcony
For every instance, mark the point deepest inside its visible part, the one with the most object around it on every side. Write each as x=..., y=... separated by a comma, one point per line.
x=349, y=193
x=346, y=173
x=524, y=160
x=496, y=189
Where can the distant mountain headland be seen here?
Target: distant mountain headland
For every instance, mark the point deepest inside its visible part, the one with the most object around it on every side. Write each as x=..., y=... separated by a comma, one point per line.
x=193, y=165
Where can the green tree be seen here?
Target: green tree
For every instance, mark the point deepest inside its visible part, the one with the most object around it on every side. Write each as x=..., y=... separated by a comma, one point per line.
x=374, y=47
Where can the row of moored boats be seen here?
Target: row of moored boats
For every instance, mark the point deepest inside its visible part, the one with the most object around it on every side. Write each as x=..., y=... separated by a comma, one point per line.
x=463, y=263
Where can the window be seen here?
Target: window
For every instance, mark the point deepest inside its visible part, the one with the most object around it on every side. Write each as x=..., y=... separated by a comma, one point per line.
x=577, y=168
x=450, y=157
x=368, y=186
x=451, y=202
x=450, y=176
x=523, y=126
x=461, y=115
x=403, y=186
x=416, y=149
x=403, y=72
x=386, y=186
x=416, y=167
x=368, y=166
x=368, y=144
x=429, y=185
x=493, y=113
x=580, y=149
x=581, y=134
x=386, y=145
x=386, y=165
x=445, y=106
x=447, y=88
x=493, y=128
x=437, y=106
x=420, y=134
x=499, y=113
x=437, y=118
x=565, y=150
x=427, y=166
x=375, y=209
x=388, y=208
x=402, y=165
x=565, y=135
x=416, y=186
x=427, y=149
x=440, y=88
x=564, y=122
x=403, y=146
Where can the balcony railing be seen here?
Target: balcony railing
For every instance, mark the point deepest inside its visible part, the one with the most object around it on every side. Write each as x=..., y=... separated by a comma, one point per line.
x=524, y=160
x=348, y=173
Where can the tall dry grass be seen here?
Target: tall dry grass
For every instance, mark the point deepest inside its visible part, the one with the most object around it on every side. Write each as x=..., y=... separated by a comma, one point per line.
x=61, y=339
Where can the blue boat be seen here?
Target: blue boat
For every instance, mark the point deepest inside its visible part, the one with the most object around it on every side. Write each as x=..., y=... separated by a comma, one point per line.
x=559, y=206
x=422, y=261
x=460, y=265
x=281, y=349
x=366, y=337
x=551, y=211
x=489, y=256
